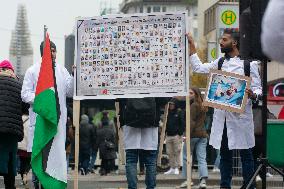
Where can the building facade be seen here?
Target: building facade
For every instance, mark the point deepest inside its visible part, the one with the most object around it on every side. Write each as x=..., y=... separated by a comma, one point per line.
x=152, y=6
x=21, y=51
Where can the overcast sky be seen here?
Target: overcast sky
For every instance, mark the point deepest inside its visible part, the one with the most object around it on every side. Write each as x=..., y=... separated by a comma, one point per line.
x=58, y=15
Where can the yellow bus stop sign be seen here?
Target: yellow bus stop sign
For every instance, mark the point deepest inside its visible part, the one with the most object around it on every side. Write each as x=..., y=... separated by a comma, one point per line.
x=213, y=53
x=228, y=17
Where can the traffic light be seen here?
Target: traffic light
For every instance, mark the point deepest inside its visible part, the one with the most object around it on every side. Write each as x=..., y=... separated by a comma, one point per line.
x=251, y=13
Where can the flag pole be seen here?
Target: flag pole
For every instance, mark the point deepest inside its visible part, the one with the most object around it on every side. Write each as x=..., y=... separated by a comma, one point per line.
x=76, y=118
x=44, y=33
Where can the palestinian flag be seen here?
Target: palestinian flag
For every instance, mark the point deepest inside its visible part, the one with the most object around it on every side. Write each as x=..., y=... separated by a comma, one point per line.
x=47, y=147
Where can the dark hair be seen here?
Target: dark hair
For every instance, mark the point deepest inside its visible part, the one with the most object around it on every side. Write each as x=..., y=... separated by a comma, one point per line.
x=235, y=34
x=198, y=98
x=52, y=45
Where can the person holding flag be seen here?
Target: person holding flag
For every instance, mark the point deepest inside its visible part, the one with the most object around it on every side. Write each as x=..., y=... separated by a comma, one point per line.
x=45, y=88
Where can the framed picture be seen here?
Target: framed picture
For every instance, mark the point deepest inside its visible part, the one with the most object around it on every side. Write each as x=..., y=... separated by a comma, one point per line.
x=226, y=91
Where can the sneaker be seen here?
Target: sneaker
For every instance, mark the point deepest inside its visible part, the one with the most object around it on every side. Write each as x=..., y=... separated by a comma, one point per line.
x=202, y=184
x=176, y=171
x=25, y=180
x=216, y=170
x=184, y=184
x=171, y=171
x=257, y=178
x=82, y=171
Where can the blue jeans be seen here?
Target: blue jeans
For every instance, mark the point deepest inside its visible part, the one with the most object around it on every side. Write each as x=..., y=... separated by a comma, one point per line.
x=226, y=163
x=150, y=158
x=217, y=160
x=84, y=160
x=93, y=159
x=200, y=145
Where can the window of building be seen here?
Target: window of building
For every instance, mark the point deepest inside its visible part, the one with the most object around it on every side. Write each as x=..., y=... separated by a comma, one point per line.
x=141, y=9
x=148, y=9
x=156, y=9
x=164, y=9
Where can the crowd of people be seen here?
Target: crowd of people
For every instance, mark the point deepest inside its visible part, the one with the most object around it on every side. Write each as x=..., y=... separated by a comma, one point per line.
x=139, y=120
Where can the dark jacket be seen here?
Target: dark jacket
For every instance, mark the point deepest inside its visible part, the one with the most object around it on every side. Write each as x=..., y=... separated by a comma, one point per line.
x=197, y=121
x=11, y=122
x=175, y=123
x=106, y=133
x=87, y=136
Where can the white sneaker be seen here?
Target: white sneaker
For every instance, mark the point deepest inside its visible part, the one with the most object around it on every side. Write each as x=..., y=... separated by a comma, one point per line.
x=176, y=171
x=257, y=178
x=171, y=171
x=202, y=184
x=184, y=184
x=215, y=170
x=269, y=174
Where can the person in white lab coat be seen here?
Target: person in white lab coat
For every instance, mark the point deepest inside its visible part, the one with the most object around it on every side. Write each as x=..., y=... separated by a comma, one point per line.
x=64, y=83
x=231, y=130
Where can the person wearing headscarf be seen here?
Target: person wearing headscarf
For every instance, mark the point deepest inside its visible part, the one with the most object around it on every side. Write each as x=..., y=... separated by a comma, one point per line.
x=11, y=123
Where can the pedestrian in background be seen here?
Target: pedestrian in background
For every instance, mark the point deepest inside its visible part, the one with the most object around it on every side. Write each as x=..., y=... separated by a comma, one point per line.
x=105, y=143
x=87, y=140
x=11, y=123
x=174, y=132
x=24, y=156
x=198, y=138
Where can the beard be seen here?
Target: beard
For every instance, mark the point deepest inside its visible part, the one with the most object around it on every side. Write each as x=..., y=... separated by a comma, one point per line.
x=227, y=50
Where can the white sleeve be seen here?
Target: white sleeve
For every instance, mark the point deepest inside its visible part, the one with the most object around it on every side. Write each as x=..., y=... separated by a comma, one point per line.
x=256, y=81
x=199, y=67
x=272, y=36
x=28, y=88
x=69, y=81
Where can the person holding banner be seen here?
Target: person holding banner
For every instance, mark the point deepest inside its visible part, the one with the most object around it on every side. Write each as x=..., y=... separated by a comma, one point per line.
x=231, y=130
x=140, y=129
x=64, y=82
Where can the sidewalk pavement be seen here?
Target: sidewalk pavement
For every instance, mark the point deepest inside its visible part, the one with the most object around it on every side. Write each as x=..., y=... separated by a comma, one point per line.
x=118, y=181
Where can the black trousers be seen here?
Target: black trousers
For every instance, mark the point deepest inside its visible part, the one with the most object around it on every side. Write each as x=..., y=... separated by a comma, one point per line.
x=108, y=165
x=25, y=165
x=9, y=179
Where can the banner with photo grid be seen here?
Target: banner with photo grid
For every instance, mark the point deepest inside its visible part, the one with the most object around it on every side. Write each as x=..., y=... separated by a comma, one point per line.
x=127, y=56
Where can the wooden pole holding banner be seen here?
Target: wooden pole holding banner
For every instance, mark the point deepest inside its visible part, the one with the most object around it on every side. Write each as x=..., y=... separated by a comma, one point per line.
x=76, y=118
x=187, y=134
x=162, y=138
x=120, y=137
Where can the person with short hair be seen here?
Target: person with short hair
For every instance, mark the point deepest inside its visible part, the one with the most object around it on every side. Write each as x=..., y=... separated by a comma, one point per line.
x=64, y=82
x=231, y=130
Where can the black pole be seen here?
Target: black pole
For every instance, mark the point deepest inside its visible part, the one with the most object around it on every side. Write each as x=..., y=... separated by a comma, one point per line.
x=264, y=119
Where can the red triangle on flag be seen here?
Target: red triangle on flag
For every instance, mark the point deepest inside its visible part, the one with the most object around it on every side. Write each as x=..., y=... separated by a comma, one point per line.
x=46, y=76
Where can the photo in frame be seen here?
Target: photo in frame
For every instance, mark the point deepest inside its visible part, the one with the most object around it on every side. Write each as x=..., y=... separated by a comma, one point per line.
x=226, y=91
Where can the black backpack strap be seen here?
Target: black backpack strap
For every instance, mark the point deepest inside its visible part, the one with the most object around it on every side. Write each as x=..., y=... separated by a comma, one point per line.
x=247, y=68
x=220, y=62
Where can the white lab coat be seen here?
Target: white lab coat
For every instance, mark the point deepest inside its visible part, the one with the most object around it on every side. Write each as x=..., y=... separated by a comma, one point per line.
x=64, y=87
x=240, y=127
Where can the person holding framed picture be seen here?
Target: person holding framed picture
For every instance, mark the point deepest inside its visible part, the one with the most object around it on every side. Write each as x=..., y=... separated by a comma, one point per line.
x=231, y=130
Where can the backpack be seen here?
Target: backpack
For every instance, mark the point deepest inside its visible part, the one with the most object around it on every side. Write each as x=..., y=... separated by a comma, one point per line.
x=246, y=65
x=140, y=112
